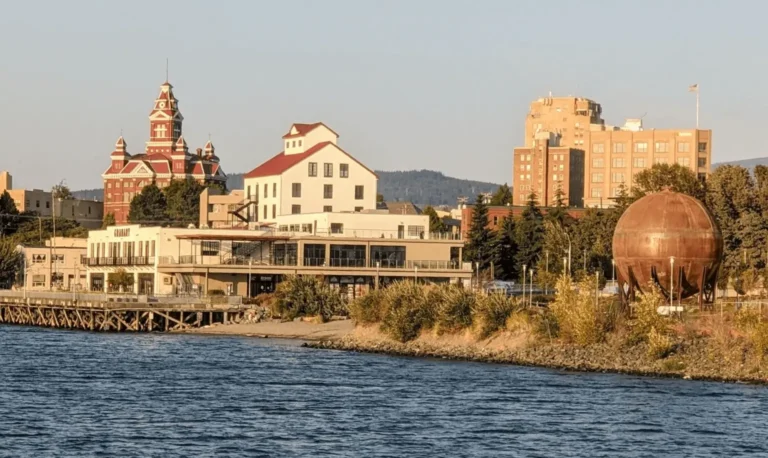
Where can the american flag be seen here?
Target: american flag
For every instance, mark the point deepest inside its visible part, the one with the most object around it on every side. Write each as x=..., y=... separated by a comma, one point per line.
x=693, y=88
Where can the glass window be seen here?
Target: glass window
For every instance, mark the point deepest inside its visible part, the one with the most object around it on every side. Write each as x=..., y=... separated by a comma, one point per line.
x=618, y=148
x=597, y=178
x=313, y=169
x=210, y=247
x=684, y=161
x=347, y=256
x=274, y=210
x=296, y=190
x=344, y=170
x=597, y=162
x=327, y=209
x=641, y=147
x=314, y=254
x=618, y=162
x=286, y=254
x=684, y=147
x=598, y=148
x=416, y=231
x=387, y=257
x=662, y=147
x=265, y=210
x=328, y=191
x=327, y=170
x=295, y=210
x=597, y=192
x=617, y=178
x=337, y=228
x=274, y=189
x=358, y=209
x=660, y=160
x=359, y=195
x=638, y=162
x=702, y=147
x=266, y=194
x=702, y=162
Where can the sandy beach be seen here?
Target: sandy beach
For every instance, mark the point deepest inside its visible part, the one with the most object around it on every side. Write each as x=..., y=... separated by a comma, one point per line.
x=287, y=330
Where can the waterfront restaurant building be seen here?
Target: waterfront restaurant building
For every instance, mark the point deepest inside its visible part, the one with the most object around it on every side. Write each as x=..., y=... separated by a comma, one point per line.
x=249, y=262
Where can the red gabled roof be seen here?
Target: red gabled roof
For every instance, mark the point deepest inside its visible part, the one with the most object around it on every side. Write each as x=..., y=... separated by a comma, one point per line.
x=160, y=167
x=304, y=129
x=129, y=168
x=282, y=162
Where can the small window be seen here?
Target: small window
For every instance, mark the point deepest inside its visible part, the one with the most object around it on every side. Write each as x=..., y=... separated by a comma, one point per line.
x=662, y=147
x=618, y=148
x=359, y=192
x=299, y=142
x=274, y=189
x=296, y=190
x=38, y=280
x=684, y=161
x=287, y=145
x=293, y=144
x=702, y=147
x=597, y=162
x=617, y=178
x=641, y=147
x=337, y=228
x=328, y=191
x=415, y=231
x=327, y=209
x=495, y=220
x=210, y=247
x=274, y=210
x=638, y=162
x=597, y=192
x=344, y=170
x=312, y=169
x=265, y=212
x=598, y=148
x=295, y=209
x=266, y=194
x=660, y=160
x=702, y=162
x=37, y=203
x=327, y=170
x=618, y=162
x=597, y=178
x=358, y=209
x=684, y=147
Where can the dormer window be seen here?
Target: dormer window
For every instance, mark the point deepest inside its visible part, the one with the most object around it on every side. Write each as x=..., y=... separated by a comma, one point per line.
x=299, y=142
x=287, y=145
x=293, y=144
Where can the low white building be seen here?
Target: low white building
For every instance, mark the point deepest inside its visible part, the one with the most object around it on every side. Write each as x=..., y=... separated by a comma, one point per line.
x=367, y=224
x=311, y=175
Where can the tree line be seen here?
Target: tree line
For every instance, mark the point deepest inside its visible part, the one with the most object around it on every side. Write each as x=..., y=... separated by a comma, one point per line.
x=539, y=238
x=176, y=205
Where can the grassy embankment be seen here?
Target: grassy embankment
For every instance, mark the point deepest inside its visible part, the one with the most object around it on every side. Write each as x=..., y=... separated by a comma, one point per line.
x=574, y=332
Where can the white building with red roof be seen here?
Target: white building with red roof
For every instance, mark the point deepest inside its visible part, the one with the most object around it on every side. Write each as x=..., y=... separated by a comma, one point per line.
x=166, y=157
x=311, y=175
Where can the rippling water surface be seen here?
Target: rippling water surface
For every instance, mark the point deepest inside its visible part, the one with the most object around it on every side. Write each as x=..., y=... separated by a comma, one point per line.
x=80, y=394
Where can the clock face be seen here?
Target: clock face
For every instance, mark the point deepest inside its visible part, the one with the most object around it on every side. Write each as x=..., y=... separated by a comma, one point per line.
x=162, y=104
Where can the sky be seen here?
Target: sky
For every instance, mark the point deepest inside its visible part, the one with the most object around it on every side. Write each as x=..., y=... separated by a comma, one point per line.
x=416, y=84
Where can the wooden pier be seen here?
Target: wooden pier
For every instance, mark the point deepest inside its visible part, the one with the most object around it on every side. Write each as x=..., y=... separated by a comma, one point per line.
x=89, y=313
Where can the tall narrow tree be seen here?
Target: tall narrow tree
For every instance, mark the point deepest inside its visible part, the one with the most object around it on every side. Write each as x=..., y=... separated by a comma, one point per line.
x=529, y=234
x=478, y=247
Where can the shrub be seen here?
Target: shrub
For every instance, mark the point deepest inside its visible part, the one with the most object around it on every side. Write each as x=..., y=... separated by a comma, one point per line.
x=299, y=296
x=407, y=311
x=491, y=312
x=578, y=319
x=659, y=344
x=370, y=308
x=646, y=316
x=453, y=309
x=216, y=292
x=755, y=329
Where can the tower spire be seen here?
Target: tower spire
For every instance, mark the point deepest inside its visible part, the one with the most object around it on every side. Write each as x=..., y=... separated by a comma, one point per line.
x=166, y=69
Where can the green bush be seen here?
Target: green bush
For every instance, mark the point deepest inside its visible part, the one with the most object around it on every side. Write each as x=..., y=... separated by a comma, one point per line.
x=407, y=311
x=300, y=296
x=659, y=344
x=491, y=312
x=453, y=308
x=370, y=308
x=579, y=320
x=645, y=316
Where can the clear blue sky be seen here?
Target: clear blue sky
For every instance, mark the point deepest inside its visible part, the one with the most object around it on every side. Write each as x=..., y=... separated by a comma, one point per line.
x=443, y=85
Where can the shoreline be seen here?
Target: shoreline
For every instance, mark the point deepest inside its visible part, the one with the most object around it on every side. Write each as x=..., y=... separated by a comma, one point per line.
x=299, y=330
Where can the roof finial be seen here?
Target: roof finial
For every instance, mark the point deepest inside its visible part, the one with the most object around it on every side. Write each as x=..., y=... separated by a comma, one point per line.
x=209, y=136
x=166, y=69
x=121, y=131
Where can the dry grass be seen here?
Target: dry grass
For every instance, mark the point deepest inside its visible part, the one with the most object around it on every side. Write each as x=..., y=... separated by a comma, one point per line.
x=493, y=312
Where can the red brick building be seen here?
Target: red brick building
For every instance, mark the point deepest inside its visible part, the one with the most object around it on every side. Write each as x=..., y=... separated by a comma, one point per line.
x=497, y=213
x=165, y=158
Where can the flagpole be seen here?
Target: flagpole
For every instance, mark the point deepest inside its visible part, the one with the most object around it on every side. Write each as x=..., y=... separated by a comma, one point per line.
x=698, y=90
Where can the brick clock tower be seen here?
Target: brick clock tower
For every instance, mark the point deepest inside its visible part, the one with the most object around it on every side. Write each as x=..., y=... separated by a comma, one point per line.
x=166, y=157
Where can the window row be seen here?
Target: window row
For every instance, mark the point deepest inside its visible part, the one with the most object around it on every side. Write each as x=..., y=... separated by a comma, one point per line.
x=328, y=170
x=122, y=249
x=328, y=191
x=642, y=147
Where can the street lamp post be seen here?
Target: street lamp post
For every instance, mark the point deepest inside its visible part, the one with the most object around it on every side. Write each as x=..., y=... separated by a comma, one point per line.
x=416, y=273
x=250, y=265
x=524, y=269
x=378, y=266
x=671, y=281
x=613, y=271
x=546, y=284
x=530, y=289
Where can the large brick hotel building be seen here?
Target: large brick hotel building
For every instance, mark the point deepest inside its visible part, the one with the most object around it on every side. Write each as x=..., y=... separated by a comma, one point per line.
x=165, y=158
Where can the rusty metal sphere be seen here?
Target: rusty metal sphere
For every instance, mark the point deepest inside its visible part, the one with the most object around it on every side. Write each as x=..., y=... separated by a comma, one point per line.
x=666, y=225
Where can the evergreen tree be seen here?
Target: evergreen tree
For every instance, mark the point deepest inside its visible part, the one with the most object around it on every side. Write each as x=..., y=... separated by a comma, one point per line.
x=149, y=207
x=436, y=225
x=9, y=215
x=478, y=247
x=502, y=196
x=109, y=220
x=503, y=250
x=182, y=199
x=529, y=234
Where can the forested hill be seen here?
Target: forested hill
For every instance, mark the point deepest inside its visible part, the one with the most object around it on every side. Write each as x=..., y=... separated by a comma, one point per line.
x=423, y=187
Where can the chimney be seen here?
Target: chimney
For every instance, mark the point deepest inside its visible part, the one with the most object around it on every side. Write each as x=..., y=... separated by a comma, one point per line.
x=199, y=152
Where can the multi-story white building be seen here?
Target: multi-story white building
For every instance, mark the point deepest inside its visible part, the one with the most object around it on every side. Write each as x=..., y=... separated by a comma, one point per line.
x=57, y=264
x=311, y=175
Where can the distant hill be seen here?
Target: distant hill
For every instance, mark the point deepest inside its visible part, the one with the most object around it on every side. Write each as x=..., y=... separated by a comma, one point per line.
x=746, y=163
x=423, y=187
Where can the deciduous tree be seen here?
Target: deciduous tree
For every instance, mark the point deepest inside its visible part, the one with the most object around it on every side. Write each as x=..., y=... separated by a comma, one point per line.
x=182, y=199
x=678, y=178
x=149, y=207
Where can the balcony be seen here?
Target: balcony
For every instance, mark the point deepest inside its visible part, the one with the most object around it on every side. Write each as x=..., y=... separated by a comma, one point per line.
x=330, y=263
x=121, y=261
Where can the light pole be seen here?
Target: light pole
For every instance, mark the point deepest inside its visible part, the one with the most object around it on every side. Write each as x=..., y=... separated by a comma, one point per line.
x=546, y=284
x=569, y=252
x=250, y=265
x=416, y=274
x=378, y=266
x=613, y=271
x=671, y=281
x=524, y=267
x=565, y=265
x=530, y=289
